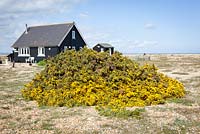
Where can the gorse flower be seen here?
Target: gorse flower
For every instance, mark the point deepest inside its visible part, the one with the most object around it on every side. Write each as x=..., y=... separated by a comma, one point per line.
x=90, y=78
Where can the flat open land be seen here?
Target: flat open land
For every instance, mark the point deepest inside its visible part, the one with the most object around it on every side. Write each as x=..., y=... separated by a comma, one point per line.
x=176, y=116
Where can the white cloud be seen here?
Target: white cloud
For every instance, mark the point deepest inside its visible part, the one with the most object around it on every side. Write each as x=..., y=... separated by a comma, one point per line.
x=84, y=15
x=16, y=13
x=97, y=36
x=150, y=43
x=120, y=42
x=145, y=43
x=93, y=37
x=149, y=26
x=125, y=45
x=26, y=6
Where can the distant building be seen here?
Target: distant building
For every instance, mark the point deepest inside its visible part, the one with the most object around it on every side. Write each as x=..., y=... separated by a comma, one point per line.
x=40, y=42
x=103, y=47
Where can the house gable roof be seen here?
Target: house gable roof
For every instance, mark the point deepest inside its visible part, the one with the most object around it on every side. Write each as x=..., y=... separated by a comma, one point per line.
x=47, y=35
x=105, y=45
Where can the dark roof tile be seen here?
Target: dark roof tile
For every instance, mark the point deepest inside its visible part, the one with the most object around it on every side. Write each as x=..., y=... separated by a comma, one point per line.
x=106, y=45
x=47, y=35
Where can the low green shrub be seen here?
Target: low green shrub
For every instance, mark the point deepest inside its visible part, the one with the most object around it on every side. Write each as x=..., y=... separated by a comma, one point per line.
x=120, y=112
x=41, y=63
x=183, y=101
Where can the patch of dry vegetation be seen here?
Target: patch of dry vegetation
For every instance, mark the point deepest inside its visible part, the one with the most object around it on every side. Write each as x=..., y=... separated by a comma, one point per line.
x=20, y=116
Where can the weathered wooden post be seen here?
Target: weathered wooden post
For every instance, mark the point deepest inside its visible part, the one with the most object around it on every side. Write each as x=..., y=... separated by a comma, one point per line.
x=13, y=63
x=13, y=59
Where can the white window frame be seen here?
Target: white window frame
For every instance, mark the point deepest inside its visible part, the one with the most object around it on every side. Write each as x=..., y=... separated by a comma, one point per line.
x=73, y=34
x=73, y=47
x=41, y=52
x=24, y=52
x=66, y=47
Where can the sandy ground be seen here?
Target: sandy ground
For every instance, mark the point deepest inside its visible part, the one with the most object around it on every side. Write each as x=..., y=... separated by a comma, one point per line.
x=176, y=116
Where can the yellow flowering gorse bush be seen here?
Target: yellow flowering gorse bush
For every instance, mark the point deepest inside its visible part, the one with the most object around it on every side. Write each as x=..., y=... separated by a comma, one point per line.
x=90, y=78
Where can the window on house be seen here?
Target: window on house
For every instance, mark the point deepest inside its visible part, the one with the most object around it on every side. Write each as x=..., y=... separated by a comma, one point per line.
x=102, y=50
x=41, y=51
x=65, y=47
x=25, y=51
x=73, y=35
x=73, y=47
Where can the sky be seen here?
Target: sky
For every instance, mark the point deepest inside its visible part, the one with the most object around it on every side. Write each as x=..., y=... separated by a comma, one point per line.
x=131, y=26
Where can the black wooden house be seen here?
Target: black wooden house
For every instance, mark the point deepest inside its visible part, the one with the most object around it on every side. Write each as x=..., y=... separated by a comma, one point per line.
x=103, y=47
x=40, y=42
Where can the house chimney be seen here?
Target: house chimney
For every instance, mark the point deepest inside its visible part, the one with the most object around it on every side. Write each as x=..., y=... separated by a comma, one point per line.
x=26, y=32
